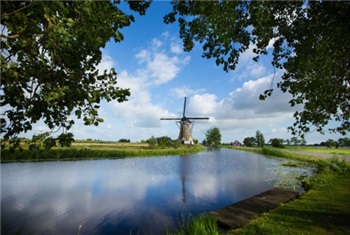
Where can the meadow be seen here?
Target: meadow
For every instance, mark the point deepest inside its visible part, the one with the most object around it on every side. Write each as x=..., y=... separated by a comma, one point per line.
x=318, y=149
x=94, y=150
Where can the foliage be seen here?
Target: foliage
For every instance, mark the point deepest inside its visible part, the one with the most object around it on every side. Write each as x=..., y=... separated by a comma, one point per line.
x=344, y=142
x=311, y=41
x=164, y=141
x=49, y=143
x=296, y=141
x=277, y=143
x=152, y=142
x=65, y=140
x=213, y=137
x=331, y=143
x=49, y=54
x=249, y=141
x=124, y=141
x=259, y=138
x=202, y=225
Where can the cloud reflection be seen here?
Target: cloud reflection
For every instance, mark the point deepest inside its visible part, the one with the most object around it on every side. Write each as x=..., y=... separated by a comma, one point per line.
x=142, y=195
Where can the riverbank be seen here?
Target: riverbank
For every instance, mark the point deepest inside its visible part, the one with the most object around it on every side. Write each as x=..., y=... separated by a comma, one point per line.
x=88, y=152
x=323, y=209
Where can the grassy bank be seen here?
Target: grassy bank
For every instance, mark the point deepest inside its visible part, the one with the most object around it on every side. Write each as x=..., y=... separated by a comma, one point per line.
x=81, y=152
x=323, y=209
x=345, y=151
x=274, y=152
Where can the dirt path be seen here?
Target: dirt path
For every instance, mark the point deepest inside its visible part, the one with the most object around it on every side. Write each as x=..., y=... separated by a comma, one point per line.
x=324, y=155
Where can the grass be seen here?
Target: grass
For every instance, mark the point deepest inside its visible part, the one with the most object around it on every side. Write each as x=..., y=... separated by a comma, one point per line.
x=201, y=225
x=279, y=153
x=94, y=151
x=323, y=209
x=334, y=151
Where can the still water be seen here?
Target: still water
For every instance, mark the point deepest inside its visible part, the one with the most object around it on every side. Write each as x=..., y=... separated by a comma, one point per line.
x=132, y=195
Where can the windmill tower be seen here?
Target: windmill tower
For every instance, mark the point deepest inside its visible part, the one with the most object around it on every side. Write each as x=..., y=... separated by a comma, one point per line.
x=185, y=124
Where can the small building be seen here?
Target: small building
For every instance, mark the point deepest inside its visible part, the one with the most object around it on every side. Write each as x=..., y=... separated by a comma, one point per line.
x=236, y=143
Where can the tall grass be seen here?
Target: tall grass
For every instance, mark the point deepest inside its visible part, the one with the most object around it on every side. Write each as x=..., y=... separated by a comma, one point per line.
x=201, y=225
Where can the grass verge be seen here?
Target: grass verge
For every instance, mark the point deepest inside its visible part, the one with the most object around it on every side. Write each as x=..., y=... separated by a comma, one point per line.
x=323, y=209
x=93, y=153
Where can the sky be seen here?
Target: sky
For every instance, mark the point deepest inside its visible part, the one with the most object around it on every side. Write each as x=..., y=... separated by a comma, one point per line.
x=151, y=62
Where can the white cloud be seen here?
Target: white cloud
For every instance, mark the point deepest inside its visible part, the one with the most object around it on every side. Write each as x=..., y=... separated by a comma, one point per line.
x=106, y=64
x=204, y=104
x=185, y=91
x=176, y=48
x=160, y=65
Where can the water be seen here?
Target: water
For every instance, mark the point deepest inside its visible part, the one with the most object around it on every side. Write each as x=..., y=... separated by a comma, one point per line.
x=132, y=195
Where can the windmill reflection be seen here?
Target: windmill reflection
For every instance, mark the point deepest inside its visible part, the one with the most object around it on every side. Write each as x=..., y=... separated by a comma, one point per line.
x=184, y=169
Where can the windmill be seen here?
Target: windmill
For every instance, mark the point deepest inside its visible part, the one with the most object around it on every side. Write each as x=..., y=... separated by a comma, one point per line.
x=184, y=124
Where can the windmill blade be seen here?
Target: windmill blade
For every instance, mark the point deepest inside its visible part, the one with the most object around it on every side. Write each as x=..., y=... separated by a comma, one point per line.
x=198, y=118
x=183, y=114
x=170, y=118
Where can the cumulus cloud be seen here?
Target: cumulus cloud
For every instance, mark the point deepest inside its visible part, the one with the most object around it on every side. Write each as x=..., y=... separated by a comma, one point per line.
x=106, y=64
x=184, y=91
x=241, y=112
x=159, y=64
x=162, y=64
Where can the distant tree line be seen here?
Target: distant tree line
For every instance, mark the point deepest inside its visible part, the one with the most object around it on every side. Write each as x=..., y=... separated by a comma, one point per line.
x=259, y=141
x=163, y=141
x=342, y=142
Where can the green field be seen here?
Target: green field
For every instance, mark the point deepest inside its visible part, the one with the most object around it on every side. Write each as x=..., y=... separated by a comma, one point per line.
x=94, y=150
x=324, y=150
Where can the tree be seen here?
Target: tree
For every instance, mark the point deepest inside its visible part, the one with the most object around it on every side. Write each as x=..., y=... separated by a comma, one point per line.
x=164, y=141
x=295, y=141
x=259, y=138
x=249, y=141
x=49, y=143
x=152, y=142
x=213, y=137
x=311, y=42
x=65, y=139
x=287, y=141
x=331, y=143
x=49, y=54
x=277, y=143
x=344, y=142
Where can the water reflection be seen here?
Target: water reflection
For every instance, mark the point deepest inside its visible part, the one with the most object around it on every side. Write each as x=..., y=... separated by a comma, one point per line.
x=138, y=195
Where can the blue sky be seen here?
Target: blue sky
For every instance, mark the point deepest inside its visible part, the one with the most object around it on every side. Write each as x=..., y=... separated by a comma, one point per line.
x=151, y=62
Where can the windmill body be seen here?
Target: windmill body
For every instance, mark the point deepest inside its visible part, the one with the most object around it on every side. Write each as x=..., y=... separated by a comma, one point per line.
x=186, y=124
